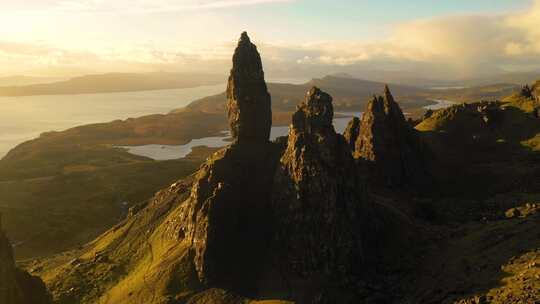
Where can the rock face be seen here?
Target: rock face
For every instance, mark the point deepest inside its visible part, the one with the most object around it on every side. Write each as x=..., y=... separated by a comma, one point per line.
x=389, y=144
x=352, y=131
x=526, y=92
x=227, y=218
x=322, y=211
x=17, y=286
x=248, y=101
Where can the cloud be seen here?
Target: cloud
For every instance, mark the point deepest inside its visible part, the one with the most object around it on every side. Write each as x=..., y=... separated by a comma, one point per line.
x=464, y=45
x=149, y=6
x=450, y=46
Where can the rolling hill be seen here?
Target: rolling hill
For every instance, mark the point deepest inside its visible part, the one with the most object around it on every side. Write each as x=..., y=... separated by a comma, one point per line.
x=113, y=82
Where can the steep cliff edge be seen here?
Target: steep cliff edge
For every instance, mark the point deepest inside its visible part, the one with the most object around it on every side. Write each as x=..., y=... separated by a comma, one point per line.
x=16, y=285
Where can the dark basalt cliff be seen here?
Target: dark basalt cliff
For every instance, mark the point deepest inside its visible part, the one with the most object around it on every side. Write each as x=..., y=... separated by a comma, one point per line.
x=324, y=218
x=248, y=101
x=227, y=219
x=16, y=285
x=389, y=145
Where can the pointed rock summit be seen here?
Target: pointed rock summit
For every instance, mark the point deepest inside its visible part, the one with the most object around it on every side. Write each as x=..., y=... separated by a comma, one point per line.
x=315, y=114
x=389, y=144
x=322, y=210
x=352, y=131
x=248, y=101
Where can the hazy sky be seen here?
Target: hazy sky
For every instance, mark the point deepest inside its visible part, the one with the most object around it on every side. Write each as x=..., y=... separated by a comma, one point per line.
x=455, y=37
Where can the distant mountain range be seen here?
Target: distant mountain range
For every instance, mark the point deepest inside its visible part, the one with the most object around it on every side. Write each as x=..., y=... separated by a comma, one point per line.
x=22, y=80
x=413, y=78
x=351, y=94
x=111, y=82
x=402, y=82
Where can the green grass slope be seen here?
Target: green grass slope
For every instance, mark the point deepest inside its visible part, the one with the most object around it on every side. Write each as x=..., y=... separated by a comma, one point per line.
x=65, y=188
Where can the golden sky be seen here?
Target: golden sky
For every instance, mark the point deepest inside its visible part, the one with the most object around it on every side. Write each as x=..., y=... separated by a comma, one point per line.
x=72, y=37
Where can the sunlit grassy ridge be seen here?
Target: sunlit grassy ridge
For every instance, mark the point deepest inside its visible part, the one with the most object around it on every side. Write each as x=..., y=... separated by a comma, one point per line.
x=64, y=188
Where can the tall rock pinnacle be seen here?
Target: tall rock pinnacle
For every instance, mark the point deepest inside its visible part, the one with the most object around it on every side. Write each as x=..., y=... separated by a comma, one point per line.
x=248, y=101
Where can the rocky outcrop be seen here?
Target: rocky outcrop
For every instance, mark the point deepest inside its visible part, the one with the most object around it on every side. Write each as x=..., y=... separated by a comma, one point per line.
x=389, y=144
x=352, y=131
x=526, y=92
x=323, y=214
x=16, y=285
x=227, y=219
x=248, y=101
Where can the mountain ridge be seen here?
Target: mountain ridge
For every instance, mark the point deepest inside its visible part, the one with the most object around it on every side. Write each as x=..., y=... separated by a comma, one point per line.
x=113, y=82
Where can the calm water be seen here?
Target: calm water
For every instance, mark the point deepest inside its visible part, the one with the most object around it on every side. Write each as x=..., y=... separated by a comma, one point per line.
x=440, y=104
x=166, y=152
x=24, y=118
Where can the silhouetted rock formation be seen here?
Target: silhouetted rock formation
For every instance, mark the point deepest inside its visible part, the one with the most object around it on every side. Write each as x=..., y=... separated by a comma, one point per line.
x=227, y=218
x=16, y=285
x=322, y=212
x=427, y=114
x=352, y=131
x=526, y=92
x=389, y=144
x=248, y=100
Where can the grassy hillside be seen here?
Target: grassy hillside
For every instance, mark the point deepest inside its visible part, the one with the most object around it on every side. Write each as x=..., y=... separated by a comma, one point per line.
x=45, y=215
x=64, y=188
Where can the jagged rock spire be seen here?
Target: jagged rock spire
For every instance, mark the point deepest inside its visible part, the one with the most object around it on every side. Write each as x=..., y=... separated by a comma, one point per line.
x=389, y=143
x=315, y=112
x=352, y=131
x=526, y=92
x=317, y=180
x=388, y=94
x=248, y=101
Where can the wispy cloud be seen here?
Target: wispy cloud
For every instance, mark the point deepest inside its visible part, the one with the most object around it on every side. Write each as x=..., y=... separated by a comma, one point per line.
x=151, y=6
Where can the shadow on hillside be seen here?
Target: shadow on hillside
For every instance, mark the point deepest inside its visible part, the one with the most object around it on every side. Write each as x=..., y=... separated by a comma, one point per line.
x=470, y=262
x=475, y=158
